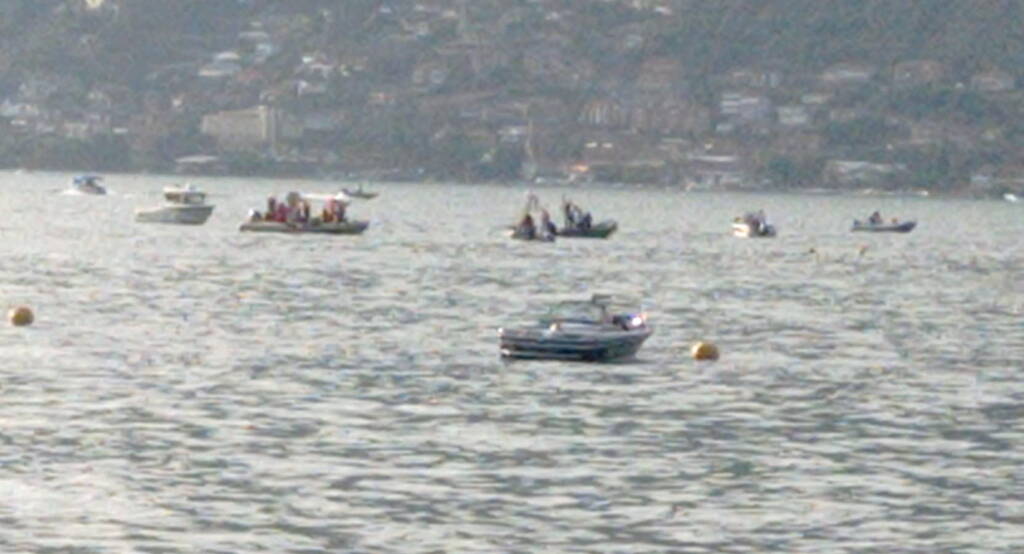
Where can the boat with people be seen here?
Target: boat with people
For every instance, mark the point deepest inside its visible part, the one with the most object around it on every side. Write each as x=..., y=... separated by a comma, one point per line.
x=579, y=224
x=360, y=193
x=529, y=229
x=184, y=205
x=875, y=224
x=294, y=215
x=87, y=184
x=584, y=330
x=753, y=225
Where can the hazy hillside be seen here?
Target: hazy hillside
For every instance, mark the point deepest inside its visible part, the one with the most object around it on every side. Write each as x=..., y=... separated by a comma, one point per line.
x=706, y=36
x=148, y=52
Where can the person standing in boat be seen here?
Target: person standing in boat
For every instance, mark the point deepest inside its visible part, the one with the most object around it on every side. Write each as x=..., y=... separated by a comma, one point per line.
x=875, y=218
x=567, y=213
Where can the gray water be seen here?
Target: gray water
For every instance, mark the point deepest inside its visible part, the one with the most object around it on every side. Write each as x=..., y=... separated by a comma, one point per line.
x=195, y=389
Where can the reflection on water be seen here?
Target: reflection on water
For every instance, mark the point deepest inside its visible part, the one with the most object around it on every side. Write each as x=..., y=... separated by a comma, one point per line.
x=198, y=389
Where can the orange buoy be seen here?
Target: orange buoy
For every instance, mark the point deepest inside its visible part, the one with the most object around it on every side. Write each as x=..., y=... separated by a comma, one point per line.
x=20, y=316
x=703, y=351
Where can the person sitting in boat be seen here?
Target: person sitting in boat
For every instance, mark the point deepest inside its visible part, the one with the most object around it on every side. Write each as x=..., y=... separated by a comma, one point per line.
x=762, y=221
x=280, y=212
x=546, y=225
x=875, y=219
x=586, y=221
x=339, y=211
x=271, y=208
x=327, y=216
x=527, y=228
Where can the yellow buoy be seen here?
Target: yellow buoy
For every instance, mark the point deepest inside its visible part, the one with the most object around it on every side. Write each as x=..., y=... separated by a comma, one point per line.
x=704, y=351
x=20, y=316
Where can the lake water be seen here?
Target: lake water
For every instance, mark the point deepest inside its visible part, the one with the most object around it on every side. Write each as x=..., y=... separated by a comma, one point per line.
x=196, y=389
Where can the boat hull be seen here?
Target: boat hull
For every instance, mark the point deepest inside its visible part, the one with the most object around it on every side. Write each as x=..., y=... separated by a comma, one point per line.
x=86, y=191
x=344, y=228
x=540, y=345
x=602, y=230
x=744, y=230
x=904, y=227
x=361, y=195
x=178, y=215
x=515, y=234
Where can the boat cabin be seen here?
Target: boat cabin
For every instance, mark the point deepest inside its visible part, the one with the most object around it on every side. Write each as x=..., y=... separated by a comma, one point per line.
x=189, y=195
x=581, y=311
x=87, y=181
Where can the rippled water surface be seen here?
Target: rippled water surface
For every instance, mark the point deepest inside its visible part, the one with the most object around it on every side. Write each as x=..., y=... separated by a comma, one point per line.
x=198, y=389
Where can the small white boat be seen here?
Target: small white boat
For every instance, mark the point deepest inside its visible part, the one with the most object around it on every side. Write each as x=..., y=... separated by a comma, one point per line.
x=87, y=184
x=745, y=230
x=1011, y=198
x=184, y=206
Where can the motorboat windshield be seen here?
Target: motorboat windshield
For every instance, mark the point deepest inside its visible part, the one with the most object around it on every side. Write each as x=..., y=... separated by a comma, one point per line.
x=188, y=195
x=579, y=312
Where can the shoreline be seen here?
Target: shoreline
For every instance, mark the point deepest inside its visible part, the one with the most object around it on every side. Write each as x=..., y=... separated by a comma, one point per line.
x=869, y=192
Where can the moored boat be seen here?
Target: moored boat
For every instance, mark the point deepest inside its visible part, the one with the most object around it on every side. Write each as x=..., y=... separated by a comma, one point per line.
x=87, y=184
x=904, y=227
x=578, y=330
x=184, y=205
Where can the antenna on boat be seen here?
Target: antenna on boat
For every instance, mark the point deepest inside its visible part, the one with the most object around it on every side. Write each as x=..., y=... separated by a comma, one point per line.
x=601, y=299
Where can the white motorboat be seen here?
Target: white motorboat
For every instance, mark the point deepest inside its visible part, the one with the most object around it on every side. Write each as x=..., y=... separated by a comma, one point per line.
x=1011, y=198
x=752, y=226
x=745, y=230
x=183, y=205
x=87, y=184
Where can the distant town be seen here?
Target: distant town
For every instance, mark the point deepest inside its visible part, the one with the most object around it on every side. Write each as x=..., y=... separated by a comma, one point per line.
x=486, y=90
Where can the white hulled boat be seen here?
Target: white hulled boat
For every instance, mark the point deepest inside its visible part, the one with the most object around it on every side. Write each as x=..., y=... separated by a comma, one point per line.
x=183, y=205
